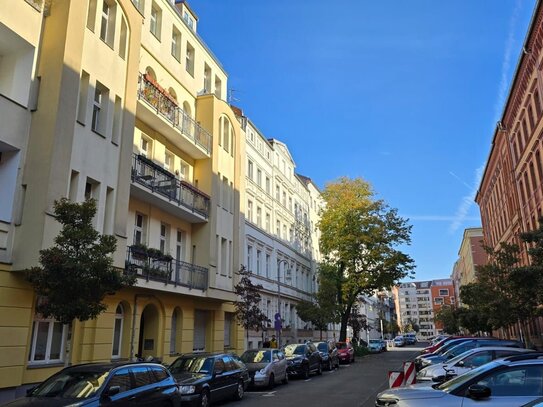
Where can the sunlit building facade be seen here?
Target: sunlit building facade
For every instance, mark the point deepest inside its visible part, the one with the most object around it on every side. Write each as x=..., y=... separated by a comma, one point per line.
x=120, y=101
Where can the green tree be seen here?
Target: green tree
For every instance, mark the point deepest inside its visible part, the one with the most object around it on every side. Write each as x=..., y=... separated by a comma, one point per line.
x=77, y=273
x=390, y=327
x=472, y=320
x=448, y=316
x=357, y=322
x=359, y=241
x=248, y=312
x=322, y=310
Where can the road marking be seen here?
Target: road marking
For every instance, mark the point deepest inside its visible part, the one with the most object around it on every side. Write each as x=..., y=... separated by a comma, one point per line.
x=270, y=394
x=307, y=380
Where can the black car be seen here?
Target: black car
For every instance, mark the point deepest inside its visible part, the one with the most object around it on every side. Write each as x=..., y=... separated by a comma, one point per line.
x=111, y=384
x=204, y=378
x=328, y=351
x=303, y=359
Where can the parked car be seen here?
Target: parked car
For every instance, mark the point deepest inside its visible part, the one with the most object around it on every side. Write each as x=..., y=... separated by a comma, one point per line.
x=468, y=345
x=399, y=341
x=329, y=354
x=436, y=346
x=376, y=346
x=345, y=352
x=303, y=359
x=384, y=345
x=444, y=348
x=266, y=366
x=536, y=403
x=111, y=384
x=410, y=338
x=204, y=378
x=510, y=382
x=465, y=362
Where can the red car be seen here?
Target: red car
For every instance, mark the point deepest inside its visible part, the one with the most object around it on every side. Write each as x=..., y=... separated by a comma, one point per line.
x=345, y=352
x=434, y=348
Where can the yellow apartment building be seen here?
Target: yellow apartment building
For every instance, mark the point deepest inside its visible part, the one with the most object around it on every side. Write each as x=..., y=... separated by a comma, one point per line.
x=121, y=101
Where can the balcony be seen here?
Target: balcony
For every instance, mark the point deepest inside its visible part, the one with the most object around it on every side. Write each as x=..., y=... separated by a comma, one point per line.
x=152, y=183
x=160, y=110
x=165, y=269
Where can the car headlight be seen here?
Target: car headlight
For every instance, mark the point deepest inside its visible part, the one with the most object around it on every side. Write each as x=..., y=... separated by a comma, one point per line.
x=297, y=361
x=386, y=402
x=187, y=389
x=262, y=372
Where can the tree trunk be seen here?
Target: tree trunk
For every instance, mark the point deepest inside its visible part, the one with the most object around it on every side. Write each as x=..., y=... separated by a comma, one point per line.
x=247, y=344
x=321, y=335
x=344, y=320
x=68, y=344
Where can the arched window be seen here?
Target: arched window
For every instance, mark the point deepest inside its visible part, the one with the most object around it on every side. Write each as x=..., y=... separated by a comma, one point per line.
x=150, y=72
x=172, y=93
x=187, y=109
x=117, y=332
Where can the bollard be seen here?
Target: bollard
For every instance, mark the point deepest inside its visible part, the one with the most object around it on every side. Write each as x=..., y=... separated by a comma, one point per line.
x=409, y=373
x=395, y=379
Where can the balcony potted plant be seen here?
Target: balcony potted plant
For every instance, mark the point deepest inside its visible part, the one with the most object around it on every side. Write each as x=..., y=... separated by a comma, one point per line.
x=139, y=251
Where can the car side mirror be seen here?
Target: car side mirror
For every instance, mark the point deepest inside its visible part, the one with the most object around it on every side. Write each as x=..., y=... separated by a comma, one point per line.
x=478, y=391
x=30, y=390
x=113, y=390
x=439, y=379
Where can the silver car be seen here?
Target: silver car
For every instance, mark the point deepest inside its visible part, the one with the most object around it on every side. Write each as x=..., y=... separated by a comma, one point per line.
x=266, y=366
x=510, y=382
x=466, y=361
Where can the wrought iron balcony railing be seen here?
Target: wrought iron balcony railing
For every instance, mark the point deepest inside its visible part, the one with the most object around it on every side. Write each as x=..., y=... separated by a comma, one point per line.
x=165, y=269
x=162, y=182
x=160, y=100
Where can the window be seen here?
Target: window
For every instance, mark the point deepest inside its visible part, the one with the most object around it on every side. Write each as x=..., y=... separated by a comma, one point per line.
x=99, y=109
x=444, y=291
x=218, y=87
x=258, y=262
x=278, y=228
x=537, y=102
x=438, y=300
x=123, y=39
x=189, y=20
x=259, y=177
x=284, y=199
x=140, y=229
x=156, y=20
x=207, y=78
x=145, y=147
x=249, y=258
x=267, y=185
x=173, y=332
x=117, y=120
x=259, y=216
x=168, y=161
x=176, y=44
x=250, y=211
x=140, y=5
x=225, y=269
x=189, y=59
x=83, y=95
x=117, y=332
x=228, y=318
x=107, y=27
x=122, y=380
x=180, y=245
x=91, y=16
x=277, y=193
x=250, y=169
x=164, y=238
x=47, y=341
x=267, y=226
x=515, y=381
x=268, y=263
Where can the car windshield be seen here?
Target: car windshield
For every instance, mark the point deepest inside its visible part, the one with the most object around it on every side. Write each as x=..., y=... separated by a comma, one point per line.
x=454, y=383
x=375, y=341
x=458, y=358
x=72, y=384
x=323, y=347
x=294, y=350
x=341, y=346
x=256, y=356
x=192, y=364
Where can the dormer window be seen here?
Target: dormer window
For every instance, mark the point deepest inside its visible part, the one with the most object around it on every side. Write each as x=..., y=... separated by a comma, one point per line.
x=189, y=20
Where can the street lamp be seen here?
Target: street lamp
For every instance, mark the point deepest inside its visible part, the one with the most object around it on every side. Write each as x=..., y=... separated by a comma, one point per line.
x=278, y=324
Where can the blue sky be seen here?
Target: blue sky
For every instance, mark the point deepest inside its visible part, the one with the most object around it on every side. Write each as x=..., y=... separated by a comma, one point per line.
x=405, y=94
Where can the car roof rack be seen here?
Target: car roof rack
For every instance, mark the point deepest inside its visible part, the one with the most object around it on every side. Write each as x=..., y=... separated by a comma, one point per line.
x=524, y=356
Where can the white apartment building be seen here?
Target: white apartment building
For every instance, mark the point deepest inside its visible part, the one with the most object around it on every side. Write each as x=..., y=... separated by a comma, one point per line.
x=414, y=304
x=281, y=237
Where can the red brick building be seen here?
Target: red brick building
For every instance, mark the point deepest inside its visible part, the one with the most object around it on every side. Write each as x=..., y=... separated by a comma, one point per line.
x=510, y=196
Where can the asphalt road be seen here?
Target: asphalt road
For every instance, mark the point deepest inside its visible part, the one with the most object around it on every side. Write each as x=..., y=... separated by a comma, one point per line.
x=354, y=385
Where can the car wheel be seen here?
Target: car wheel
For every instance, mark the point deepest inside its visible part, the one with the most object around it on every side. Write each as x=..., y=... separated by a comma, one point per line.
x=271, y=382
x=204, y=399
x=240, y=391
x=285, y=380
x=319, y=369
x=330, y=367
x=305, y=374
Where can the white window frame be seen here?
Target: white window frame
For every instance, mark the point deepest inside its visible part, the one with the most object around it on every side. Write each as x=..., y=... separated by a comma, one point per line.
x=118, y=317
x=47, y=359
